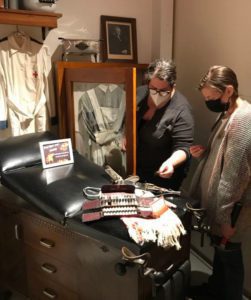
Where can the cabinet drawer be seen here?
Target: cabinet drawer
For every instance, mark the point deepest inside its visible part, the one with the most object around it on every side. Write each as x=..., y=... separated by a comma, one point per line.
x=41, y=289
x=51, y=238
x=50, y=268
x=12, y=256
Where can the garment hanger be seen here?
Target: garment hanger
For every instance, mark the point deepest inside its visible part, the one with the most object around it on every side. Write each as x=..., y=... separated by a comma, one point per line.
x=18, y=33
x=3, y=39
x=36, y=41
x=21, y=34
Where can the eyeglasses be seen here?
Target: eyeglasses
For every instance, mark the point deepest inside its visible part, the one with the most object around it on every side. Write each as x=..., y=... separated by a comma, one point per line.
x=160, y=92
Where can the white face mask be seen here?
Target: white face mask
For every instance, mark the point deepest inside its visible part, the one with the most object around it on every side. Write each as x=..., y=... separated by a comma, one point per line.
x=158, y=99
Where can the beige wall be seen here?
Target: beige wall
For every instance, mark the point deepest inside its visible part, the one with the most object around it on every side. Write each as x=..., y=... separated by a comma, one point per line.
x=206, y=33
x=162, y=29
x=211, y=32
x=81, y=19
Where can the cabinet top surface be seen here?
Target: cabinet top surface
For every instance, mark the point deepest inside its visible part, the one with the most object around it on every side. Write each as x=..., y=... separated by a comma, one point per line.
x=29, y=18
x=29, y=12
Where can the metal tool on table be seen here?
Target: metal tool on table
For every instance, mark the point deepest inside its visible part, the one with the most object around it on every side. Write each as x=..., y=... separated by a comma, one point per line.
x=117, y=179
x=134, y=180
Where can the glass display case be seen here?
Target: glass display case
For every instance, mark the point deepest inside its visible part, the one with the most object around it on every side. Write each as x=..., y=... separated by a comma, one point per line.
x=97, y=110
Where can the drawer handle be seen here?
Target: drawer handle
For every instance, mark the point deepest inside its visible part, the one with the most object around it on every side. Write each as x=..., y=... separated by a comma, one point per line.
x=48, y=268
x=17, y=232
x=47, y=243
x=49, y=293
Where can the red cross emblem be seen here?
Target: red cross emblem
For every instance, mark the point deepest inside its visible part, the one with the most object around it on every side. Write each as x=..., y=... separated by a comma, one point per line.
x=35, y=74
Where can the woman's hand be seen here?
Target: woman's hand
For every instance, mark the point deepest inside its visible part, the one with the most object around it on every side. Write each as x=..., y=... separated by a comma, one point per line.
x=227, y=231
x=123, y=144
x=197, y=150
x=166, y=170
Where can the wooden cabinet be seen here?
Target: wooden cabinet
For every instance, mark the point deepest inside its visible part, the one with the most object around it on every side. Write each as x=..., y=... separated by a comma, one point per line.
x=51, y=269
x=51, y=262
x=80, y=78
x=62, y=264
x=37, y=255
x=40, y=288
x=12, y=264
x=46, y=20
x=29, y=18
x=12, y=255
x=43, y=259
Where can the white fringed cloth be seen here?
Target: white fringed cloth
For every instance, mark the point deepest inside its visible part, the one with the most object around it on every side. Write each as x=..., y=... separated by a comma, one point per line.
x=165, y=230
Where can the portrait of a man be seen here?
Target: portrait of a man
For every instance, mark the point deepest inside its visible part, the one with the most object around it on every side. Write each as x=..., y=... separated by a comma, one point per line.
x=119, y=39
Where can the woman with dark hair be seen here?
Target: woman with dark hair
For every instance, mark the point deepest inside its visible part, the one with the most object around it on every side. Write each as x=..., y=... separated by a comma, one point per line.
x=164, y=128
x=222, y=182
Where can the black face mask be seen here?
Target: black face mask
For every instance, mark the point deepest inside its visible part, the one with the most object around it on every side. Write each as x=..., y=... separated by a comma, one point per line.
x=217, y=105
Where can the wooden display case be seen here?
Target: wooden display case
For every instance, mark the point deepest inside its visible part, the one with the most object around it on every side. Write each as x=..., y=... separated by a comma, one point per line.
x=127, y=76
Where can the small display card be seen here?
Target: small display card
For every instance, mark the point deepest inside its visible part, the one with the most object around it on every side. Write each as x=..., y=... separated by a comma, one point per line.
x=56, y=153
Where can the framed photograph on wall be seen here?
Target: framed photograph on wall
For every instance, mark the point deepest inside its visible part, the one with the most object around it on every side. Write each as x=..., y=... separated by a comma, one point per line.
x=119, y=39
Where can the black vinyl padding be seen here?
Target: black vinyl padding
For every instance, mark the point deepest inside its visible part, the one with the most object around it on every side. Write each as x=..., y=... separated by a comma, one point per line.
x=22, y=151
x=58, y=191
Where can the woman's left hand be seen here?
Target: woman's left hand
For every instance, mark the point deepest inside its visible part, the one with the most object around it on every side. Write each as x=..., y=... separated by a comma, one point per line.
x=123, y=144
x=227, y=231
x=166, y=170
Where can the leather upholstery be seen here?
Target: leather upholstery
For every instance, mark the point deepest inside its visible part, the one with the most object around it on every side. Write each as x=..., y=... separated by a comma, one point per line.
x=58, y=191
x=22, y=151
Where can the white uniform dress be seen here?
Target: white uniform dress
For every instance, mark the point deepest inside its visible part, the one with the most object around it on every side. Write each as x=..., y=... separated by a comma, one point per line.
x=101, y=123
x=27, y=99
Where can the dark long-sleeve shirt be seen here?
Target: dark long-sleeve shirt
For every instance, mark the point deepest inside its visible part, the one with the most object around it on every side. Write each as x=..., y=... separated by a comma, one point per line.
x=169, y=130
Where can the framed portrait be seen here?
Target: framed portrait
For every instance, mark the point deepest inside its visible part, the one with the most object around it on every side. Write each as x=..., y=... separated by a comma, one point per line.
x=56, y=153
x=119, y=39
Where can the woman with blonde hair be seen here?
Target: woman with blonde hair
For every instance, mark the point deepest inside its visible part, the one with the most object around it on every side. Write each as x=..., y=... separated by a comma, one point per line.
x=222, y=182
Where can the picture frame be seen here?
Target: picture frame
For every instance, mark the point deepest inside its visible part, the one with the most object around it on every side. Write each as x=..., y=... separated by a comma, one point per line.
x=70, y=74
x=83, y=82
x=56, y=153
x=118, y=39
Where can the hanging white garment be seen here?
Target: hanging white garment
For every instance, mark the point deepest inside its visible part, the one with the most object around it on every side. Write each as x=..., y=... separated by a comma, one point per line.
x=27, y=99
x=101, y=117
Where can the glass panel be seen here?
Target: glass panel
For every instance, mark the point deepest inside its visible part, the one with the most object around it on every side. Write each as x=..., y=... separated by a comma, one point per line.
x=99, y=118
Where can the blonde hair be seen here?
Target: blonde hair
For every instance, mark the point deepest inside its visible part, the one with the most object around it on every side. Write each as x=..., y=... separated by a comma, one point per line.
x=219, y=77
